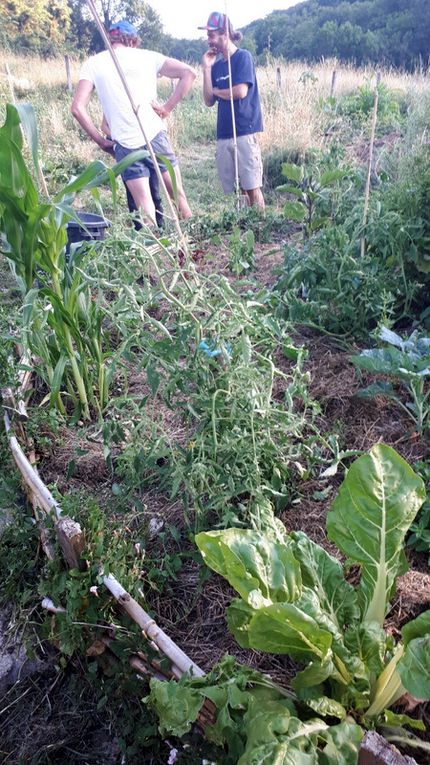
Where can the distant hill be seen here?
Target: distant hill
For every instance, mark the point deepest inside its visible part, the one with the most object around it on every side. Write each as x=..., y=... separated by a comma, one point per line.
x=392, y=32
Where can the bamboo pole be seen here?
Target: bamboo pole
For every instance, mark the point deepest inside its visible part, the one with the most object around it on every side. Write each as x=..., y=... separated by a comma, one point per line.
x=181, y=663
x=369, y=166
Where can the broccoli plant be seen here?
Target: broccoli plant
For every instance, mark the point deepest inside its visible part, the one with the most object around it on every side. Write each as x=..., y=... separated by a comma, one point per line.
x=406, y=361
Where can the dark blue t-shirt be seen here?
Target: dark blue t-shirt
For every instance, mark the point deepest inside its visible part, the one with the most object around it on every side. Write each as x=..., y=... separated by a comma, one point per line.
x=247, y=110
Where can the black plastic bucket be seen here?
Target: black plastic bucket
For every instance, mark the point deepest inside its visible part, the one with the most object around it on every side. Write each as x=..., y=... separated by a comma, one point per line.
x=90, y=227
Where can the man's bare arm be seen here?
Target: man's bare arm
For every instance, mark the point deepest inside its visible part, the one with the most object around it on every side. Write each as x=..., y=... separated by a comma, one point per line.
x=79, y=110
x=239, y=91
x=185, y=75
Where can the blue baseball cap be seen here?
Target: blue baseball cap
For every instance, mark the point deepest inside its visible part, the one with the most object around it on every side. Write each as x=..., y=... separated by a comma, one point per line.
x=123, y=27
x=216, y=22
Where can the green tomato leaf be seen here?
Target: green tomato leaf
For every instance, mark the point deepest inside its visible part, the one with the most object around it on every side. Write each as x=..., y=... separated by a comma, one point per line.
x=374, y=509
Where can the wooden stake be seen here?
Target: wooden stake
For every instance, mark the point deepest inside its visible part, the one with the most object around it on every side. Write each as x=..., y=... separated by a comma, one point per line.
x=369, y=166
x=68, y=73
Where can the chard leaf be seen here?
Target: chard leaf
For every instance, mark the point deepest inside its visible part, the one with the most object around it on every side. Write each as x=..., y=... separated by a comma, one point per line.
x=273, y=737
x=396, y=721
x=326, y=707
x=177, y=706
x=414, y=667
x=323, y=574
x=261, y=569
x=368, y=640
x=279, y=628
x=343, y=744
x=376, y=504
x=418, y=627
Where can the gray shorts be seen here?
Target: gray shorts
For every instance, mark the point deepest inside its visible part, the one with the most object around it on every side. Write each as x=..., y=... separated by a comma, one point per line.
x=249, y=161
x=142, y=168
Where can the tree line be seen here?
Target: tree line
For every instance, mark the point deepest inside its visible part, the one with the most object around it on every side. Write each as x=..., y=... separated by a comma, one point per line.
x=390, y=32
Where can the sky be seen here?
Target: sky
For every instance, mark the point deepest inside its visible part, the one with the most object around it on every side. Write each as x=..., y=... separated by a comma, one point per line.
x=181, y=19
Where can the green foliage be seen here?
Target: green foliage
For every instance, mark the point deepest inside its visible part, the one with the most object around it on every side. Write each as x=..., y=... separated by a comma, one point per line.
x=395, y=32
x=304, y=607
x=419, y=536
x=405, y=361
x=358, y=106
x=312, y=193
x=256, y=721
x=62, y=323
x=241, y=252
x=327, y=285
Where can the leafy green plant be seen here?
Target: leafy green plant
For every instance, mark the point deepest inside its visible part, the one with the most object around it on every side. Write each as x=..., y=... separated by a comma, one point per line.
x=419, y=532
x=311, y=189
x=406, y=361
x=358, y=105
x=62, y=324
x=256, y=720
x=295, y=600
x=241, y=251
x=327, y=285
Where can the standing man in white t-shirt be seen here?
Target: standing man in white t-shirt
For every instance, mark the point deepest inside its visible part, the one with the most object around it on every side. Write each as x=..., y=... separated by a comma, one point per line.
x=141, y=69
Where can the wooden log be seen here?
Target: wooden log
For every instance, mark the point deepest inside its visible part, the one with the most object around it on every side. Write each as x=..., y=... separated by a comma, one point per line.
x=375, y=750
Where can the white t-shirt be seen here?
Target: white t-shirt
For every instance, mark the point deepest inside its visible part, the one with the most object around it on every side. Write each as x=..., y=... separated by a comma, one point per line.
x=141, y=68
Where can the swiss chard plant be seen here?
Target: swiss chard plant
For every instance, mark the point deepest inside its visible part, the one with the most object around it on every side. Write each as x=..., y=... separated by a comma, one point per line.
x=405, y=361
x=294, y=599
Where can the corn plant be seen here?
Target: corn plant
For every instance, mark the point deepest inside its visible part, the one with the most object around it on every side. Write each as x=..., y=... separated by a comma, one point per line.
x=62, y=326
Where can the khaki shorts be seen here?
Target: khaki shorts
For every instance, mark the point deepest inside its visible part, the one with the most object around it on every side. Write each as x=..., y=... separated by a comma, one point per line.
x=249, y=161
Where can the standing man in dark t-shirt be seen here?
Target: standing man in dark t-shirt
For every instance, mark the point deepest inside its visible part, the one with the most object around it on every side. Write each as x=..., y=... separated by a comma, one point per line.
x=247, y=110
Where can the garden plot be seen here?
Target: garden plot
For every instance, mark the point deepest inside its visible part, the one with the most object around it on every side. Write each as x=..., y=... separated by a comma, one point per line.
x=232, y=401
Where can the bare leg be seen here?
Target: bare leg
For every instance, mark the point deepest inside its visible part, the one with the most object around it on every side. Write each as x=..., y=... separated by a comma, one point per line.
x=139, y=188
x=184, y=208
x=255, y=197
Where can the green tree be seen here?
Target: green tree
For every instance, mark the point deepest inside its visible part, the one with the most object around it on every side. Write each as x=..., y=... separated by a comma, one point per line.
x=38, y=25
x=85, y=36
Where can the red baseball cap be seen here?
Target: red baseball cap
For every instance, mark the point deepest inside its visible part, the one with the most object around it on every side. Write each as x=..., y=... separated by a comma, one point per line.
x=216, y=22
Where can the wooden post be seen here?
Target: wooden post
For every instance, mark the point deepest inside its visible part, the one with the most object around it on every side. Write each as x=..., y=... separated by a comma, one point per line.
x=68, y=73
x=278, y=78
x=333, y=83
